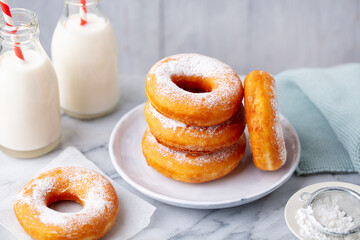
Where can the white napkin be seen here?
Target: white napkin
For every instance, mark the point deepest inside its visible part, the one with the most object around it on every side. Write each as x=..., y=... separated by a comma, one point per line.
x=134, y=213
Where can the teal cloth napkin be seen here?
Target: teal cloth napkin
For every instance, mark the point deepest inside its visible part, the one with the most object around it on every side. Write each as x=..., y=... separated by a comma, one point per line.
x=324, y=107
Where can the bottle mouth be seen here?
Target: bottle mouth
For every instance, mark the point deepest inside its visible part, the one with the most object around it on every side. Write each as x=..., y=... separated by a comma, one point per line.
x=25, y=26
x=78, y=4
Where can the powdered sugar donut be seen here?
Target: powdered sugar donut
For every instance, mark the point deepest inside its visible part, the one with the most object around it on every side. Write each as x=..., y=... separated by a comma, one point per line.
x=182, y=137
x=192, y=167
x=93, y=191
x=263, y=121
x=194, y=89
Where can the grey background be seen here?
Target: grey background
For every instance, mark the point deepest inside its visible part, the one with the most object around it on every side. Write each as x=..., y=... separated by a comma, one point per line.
x=246, y=34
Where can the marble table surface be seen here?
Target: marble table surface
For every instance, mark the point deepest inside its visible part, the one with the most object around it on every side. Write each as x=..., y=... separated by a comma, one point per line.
x=262, y=219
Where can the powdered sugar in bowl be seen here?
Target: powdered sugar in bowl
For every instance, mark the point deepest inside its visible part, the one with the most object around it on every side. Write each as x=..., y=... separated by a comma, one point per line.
x=333, y=211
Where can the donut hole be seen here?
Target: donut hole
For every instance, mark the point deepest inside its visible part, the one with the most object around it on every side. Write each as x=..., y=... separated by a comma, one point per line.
x=65, y=203
x=66, y=206
x=193, y=84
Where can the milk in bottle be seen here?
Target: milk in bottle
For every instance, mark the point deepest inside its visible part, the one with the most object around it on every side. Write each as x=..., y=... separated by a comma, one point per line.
x=30, y=124
x=85, y=57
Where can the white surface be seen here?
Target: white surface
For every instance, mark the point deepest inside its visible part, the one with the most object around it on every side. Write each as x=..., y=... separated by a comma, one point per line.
x=259, y=220
x=295, y=203
x=134, y=213
x=244, y=185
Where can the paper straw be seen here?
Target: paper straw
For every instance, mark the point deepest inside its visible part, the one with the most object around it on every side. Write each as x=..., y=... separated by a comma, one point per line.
x=10, y=22
x=83, y=13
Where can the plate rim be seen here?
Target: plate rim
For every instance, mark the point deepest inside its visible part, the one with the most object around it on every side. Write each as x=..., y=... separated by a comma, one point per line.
x=191, y=203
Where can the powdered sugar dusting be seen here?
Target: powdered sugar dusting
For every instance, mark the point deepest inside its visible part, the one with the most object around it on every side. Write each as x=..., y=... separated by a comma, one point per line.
x=227, y=84
x=333, y=219
x=195, y=159
x=182, y=128
x=97, y=203
x=165, y=121
x=279, y=137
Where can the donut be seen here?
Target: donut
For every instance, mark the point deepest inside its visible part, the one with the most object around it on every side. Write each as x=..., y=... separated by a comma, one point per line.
x=192, y=167
x=93, y=191
x=182, y=137
x=263, y=121
x=194, y=89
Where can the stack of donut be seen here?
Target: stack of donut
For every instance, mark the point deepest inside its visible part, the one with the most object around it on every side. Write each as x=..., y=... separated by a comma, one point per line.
x=196, y=118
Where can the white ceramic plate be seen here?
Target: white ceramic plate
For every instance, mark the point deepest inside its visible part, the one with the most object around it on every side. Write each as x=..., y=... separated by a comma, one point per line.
x=245, y=184
x=294, y=203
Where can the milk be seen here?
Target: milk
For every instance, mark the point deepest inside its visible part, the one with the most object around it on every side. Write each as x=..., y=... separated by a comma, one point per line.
x=29, y=104
x=86, y=61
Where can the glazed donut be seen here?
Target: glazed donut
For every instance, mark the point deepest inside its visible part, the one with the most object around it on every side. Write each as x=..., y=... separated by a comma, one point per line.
x=194, y=89
x=93, y=191
x=182, y=137
x=188, y=167
x=263, y=121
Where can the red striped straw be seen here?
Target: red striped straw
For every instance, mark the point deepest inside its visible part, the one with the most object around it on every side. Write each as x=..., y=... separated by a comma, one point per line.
x=83, y=12
x=10, y=22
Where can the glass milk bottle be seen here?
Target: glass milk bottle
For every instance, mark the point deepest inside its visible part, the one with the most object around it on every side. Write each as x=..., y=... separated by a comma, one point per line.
x=30, y=124
x=85, y=56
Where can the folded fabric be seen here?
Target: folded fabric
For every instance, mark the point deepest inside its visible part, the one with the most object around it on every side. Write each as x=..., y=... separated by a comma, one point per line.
x=324, y=107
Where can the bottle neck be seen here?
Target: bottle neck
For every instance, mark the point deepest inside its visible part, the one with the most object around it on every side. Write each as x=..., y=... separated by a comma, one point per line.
x=82, y=8
x=24, y=33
